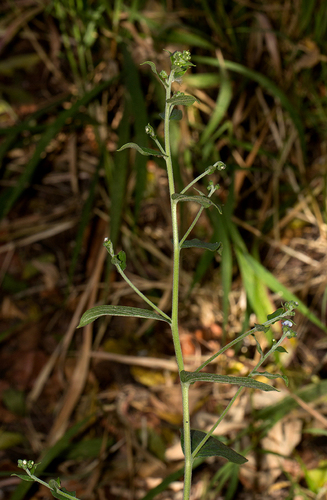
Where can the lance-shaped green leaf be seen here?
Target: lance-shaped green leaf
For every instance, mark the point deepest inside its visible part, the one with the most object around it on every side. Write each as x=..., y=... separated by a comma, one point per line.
x=152, y=66
x=213, y=448
x=184, y=100
x=195, y=243
x=271, y=376
x=191, y=377
x=135, y=312
x=202, y=200
x=144, y=151
x=24, y=477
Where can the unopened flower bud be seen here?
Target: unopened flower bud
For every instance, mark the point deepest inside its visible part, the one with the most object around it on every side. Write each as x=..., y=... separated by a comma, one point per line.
x=149, y=130
x=220, y=165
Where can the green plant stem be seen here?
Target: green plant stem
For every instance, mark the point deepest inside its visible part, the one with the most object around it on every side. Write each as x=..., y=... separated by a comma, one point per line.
x=38, y=480
x=187, y=442
x=197, y=217
x=238, y=392
x=176, y=255
x=285, y=314
x=140, y=294
x=175, y=290
x=194, y=182
x=159, y=146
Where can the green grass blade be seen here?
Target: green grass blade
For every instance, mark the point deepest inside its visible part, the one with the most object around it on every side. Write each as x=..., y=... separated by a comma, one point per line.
x=255, y=291
x=138, y=109
x=118, y=177
x=254, y=272
x=265, y=83
x=189, y=37
x=11, y=195
x=10, y=140
x=85, y=217
x=220, y=225
x=222, y=104
x=277, y=287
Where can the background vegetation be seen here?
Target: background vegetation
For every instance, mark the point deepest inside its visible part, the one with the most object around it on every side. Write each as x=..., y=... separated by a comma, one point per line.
x=101, y=406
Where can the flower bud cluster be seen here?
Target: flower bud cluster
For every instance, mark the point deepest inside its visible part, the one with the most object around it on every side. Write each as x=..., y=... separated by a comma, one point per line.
x=180, y=59
x=25, y=464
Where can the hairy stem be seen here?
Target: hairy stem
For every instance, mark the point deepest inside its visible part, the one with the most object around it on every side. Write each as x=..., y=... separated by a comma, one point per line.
x=175, y=290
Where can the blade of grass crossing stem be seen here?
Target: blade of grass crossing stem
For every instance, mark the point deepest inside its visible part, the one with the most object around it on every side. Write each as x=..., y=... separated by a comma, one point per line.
x=85, y=217
x=49, y=455
x=223, y=101
x=119, y=176
x=138, y=109
x=265, y=83
x=11, y=195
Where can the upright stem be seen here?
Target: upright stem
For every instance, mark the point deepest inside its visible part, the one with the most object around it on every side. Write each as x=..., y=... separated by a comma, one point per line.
x=175, y=290
x=176, y=256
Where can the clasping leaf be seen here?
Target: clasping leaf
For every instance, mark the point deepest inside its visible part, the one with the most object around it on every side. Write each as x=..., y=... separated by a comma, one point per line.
x=202, y=200
x=195, y=243
x=135, y=312
x=191, y=377
x=184, y=100
x=144, y=151
x=213, y=448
